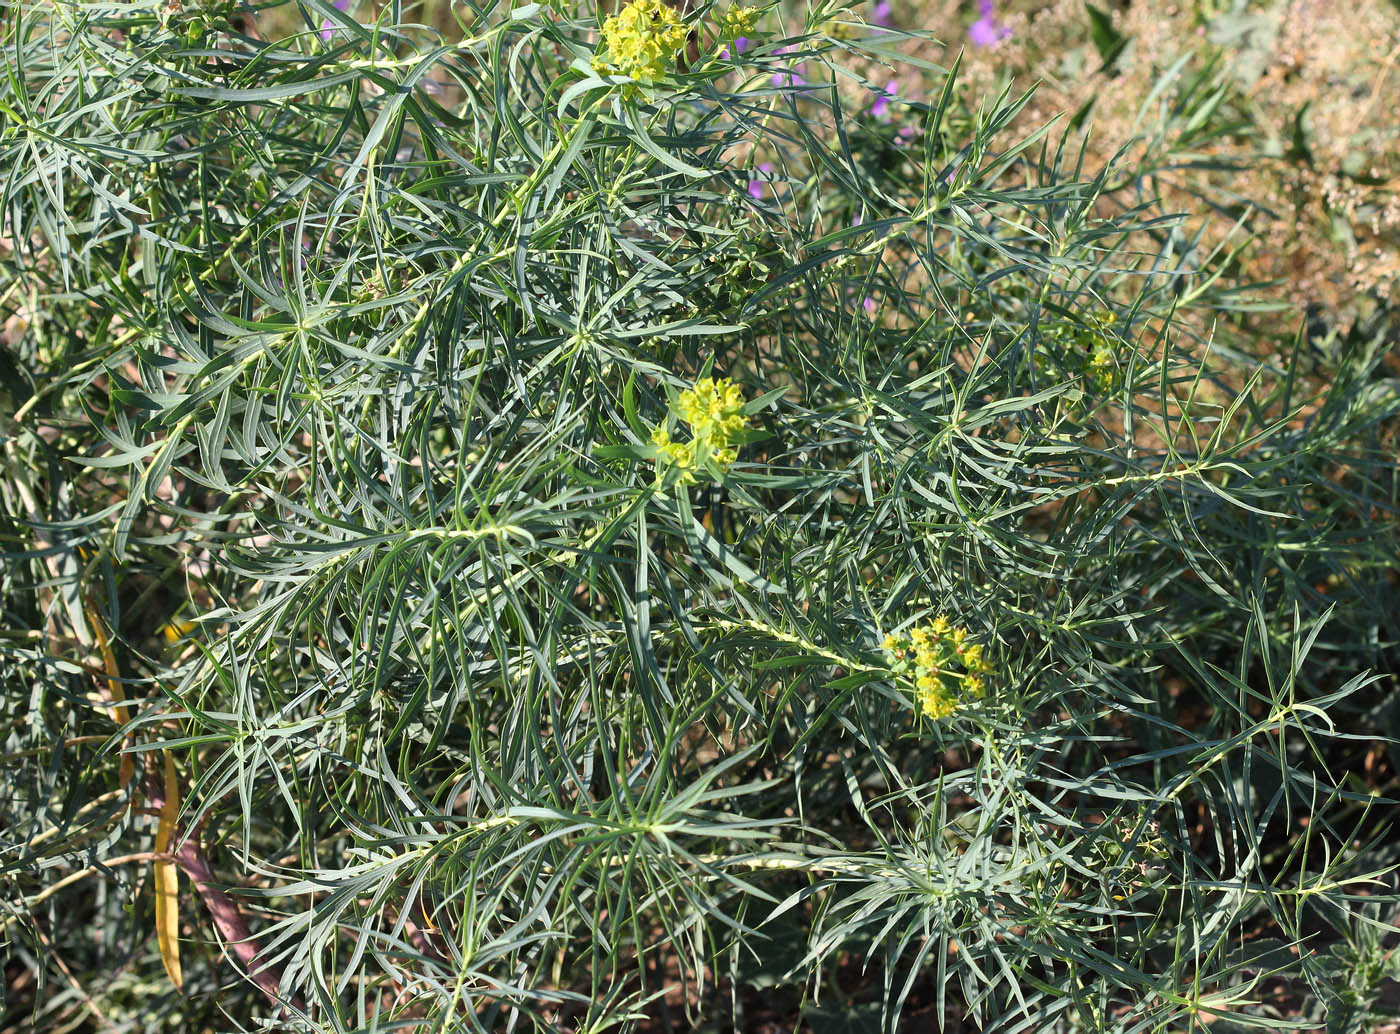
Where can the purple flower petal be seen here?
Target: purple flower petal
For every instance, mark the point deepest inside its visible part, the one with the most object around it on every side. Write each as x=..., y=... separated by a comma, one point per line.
x=791, y=77
x=881, y=106
x=986, y=30
x=868, y=305
x=328, y=30
x=756, y=188
x=881, y=13
x=982, y=32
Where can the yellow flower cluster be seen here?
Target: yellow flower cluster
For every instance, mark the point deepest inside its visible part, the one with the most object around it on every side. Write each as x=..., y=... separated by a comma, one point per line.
x=738, y=21
x=1100, y=371
x=643, y=41
x=1088, y=351
x=714, y=409
x=945, y=668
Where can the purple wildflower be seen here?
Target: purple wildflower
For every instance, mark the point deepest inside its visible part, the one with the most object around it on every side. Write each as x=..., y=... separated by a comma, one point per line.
x=327, y=30
x=986, y=30
x=869, y=305
x=756, y=186
x=880, y=14
x=791, y=77
x=881, y=107
x=741, y=44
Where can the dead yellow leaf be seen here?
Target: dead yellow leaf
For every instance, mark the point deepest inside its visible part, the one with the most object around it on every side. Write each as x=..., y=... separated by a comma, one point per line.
x=174, y=631
x=114, y=685
x=167, y=879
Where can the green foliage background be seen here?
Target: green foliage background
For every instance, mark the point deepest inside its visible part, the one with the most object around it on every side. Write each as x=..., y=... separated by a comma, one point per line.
x=333, y=366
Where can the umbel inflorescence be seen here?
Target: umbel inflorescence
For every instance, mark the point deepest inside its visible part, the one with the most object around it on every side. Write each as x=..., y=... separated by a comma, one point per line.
x=714, y=410
x=945, y=668
x=737, y=21
x=1090, y=350
x=644, y=40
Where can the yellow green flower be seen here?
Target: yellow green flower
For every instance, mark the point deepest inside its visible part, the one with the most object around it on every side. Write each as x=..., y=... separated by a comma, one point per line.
x=674, y=452
x=714, y=411
x=738, y=21
x=713, y=408
x=1089, y=350
x=934, y=698
x=641, y=41
x=946, y=670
